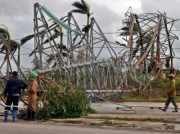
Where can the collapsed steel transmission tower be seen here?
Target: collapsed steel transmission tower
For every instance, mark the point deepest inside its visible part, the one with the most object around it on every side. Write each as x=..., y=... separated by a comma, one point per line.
x=90, y=60
x=148, y=38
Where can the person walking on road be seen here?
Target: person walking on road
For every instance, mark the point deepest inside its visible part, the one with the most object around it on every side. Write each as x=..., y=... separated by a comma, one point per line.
x=32, y=90
x=171, y=94
x=12, y=92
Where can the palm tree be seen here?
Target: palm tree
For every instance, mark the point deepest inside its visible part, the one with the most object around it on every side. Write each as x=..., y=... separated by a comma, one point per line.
x=57, y=32
x=82, y=8
x=147, y=37
x=4, y=34
x=12, y=44
x=126, y=28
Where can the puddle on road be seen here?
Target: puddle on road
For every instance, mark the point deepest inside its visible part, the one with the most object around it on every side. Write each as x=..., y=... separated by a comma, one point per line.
x=177, y=119
x=176, y=127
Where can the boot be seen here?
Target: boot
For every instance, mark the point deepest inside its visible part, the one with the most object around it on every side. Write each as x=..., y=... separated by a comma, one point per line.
x=33, y=116
x=165, y=108
x=5, y=116
x=28, y=115
x=176, y=108
x=14, y=113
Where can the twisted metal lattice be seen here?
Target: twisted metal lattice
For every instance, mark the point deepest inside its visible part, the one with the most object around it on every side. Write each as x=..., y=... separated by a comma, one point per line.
x=148, y=42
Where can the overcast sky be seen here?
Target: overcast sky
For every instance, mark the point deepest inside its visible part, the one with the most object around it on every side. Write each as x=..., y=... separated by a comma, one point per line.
x=18, y=15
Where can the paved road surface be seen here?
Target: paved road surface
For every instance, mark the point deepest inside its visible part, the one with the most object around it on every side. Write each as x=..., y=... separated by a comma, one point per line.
x=29, y=128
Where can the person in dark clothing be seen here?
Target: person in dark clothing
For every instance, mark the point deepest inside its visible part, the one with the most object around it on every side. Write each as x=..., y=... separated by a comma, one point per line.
x=12, y=92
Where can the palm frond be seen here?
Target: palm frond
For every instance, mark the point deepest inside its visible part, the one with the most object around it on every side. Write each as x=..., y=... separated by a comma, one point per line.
x=124, y=34
x=14, y=43
x=80, y=6
x=86, y=5
x=125, y=28
x=33, y=52
x=56, y=31
x=127, y=33
x=25, y=39
x=86, y=28
x=13, y=46
x=4, y=32
x=64, y=54
x=51, y=38
x=61, y=46
x=78, y=11
x=127, y=22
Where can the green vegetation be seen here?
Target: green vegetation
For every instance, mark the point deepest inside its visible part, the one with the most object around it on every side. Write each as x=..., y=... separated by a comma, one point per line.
x=134, y=119
x=67, y=104
x=157, y=93
x=170, y=127
x=108, y=123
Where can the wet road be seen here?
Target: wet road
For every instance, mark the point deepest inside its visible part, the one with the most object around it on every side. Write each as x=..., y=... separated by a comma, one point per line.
x=28, y=128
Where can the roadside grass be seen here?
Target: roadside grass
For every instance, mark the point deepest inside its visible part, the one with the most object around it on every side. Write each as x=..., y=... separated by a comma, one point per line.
x=170, y=127
x=72, y=121
x=157, y=92
x=135, y=119
x=149, y=119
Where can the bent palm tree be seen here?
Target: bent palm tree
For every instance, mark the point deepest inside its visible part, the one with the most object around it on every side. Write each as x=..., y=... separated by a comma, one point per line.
x=13, y=44
x=82, y=8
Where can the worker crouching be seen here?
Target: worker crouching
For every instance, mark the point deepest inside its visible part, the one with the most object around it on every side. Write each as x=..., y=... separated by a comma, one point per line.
x=31, y=108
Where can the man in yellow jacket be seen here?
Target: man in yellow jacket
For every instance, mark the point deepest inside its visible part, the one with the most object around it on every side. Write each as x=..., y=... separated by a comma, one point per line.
x=171, y=94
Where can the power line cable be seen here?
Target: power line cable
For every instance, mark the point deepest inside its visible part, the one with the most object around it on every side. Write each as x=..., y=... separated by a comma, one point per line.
x=95, y=33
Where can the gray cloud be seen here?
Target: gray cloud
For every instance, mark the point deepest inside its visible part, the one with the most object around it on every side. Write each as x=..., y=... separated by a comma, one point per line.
x=18, y=17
